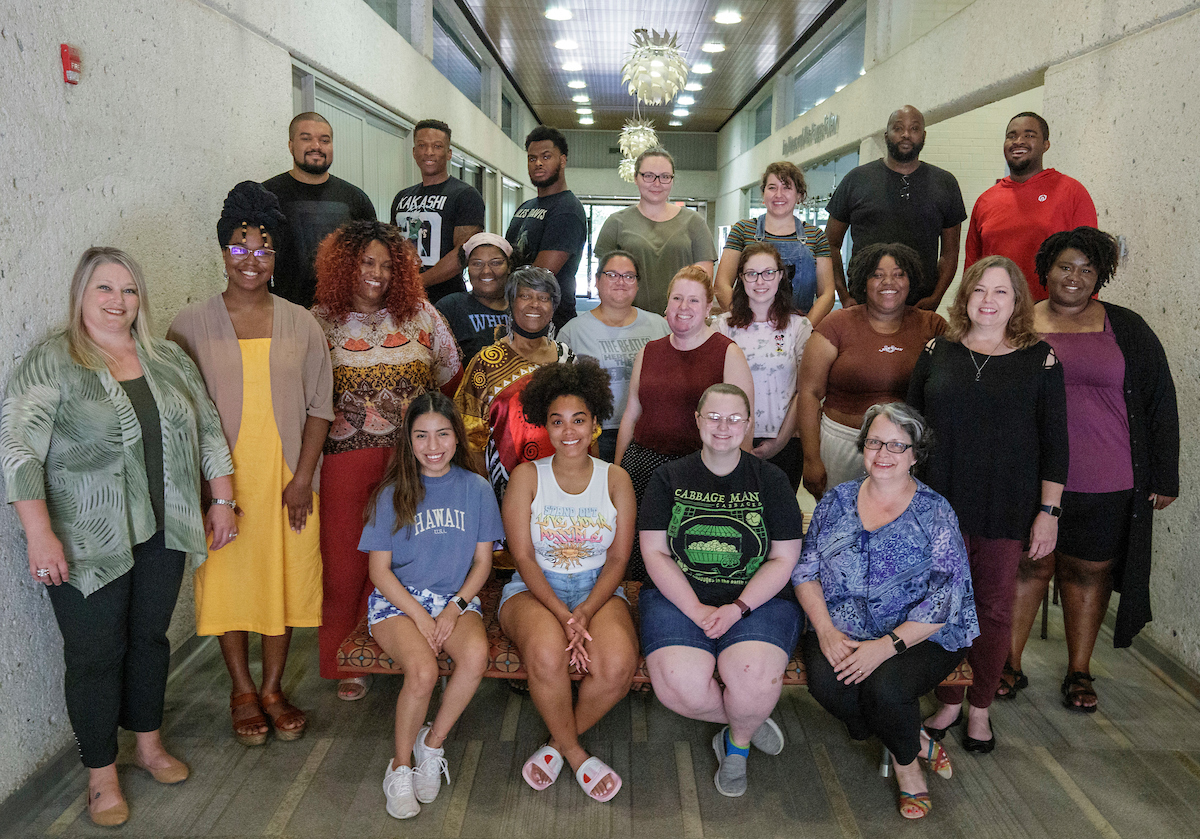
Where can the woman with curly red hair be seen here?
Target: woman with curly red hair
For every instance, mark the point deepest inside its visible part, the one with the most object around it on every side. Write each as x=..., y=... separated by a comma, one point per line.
x=388, y=345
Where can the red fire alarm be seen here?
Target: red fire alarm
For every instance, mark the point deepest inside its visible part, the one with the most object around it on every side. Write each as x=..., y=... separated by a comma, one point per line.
x=72, y=66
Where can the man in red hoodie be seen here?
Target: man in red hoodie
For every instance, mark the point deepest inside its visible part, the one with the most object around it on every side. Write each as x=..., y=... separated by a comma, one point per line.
x=1016, y=215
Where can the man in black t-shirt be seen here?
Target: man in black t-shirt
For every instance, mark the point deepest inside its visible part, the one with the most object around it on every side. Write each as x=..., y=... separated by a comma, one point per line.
x=315, y=202
x=549, y=231
x=439, y=213
x=901, y=199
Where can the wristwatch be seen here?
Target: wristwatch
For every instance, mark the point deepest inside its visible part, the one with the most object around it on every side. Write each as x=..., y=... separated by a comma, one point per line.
x=746, y=610
x=1052, y=510
x=898, y=642
x=224, y=502
x=460, y=603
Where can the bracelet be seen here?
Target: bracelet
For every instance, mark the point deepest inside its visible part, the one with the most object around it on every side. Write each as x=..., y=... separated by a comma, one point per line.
x=460, y=603
x=224, y=502
x=746, y=610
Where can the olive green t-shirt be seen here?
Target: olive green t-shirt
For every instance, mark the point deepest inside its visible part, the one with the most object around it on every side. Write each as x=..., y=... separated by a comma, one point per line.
x=152, y=448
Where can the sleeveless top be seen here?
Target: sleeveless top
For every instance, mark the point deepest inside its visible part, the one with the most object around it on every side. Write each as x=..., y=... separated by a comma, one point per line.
x=669, y=390
x=572, y=533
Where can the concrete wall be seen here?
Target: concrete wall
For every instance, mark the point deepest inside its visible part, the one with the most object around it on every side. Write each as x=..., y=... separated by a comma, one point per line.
x=179, y=101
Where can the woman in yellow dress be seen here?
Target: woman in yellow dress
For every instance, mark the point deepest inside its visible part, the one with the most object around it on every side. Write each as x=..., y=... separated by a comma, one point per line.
x=266, y=365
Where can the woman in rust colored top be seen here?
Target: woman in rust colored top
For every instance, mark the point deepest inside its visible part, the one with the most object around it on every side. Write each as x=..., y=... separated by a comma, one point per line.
x=669, y=376
x=858, y=357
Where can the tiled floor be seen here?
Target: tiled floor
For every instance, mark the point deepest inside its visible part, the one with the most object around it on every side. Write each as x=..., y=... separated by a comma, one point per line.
x=1132, y=770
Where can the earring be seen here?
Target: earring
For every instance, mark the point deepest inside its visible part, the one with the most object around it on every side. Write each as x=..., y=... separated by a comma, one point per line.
x=271, y=282
x=225, y=275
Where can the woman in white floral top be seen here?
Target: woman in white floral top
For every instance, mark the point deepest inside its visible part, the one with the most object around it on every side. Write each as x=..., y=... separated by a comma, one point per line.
x=763, y=321
x=388, y=345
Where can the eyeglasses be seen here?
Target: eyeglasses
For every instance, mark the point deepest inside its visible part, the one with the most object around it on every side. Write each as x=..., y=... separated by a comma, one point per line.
x=754, y=276
x=893, y=446
x=613, y=276
x=240, y=252
x=717, y=419
x=654, y=177
x=497, y=265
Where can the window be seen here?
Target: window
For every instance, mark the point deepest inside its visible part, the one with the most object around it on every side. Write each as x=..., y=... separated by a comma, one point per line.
x=762, y=120
x=830, y=69
x=456, y=61
x=506, y=116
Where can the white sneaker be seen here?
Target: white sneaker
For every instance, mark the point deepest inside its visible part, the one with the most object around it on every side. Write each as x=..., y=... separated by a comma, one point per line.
x=398, y=787
x=431, y=765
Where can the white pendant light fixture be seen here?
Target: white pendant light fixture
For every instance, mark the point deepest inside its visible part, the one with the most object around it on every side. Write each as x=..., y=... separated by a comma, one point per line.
x=655, y=71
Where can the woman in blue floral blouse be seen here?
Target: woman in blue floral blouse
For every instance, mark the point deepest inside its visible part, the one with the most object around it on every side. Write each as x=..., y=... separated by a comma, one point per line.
x=883, y=577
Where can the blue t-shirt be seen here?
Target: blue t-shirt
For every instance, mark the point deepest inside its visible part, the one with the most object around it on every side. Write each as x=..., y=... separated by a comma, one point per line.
x=435, y=552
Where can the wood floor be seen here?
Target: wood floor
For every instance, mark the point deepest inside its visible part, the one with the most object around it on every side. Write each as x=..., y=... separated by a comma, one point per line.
x=1132, y=770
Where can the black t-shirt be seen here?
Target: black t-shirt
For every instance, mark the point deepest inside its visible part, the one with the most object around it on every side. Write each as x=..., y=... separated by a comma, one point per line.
x=554, y=223
x=881, y=205
x=473, y=323
x=719, y=528
x=428, y=216
x=313, y=212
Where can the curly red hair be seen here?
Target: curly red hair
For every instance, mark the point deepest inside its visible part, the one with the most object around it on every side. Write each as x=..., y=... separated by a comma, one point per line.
x=337, y=267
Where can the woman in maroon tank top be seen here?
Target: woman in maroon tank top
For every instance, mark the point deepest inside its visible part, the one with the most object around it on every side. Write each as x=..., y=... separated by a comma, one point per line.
x=669, y=375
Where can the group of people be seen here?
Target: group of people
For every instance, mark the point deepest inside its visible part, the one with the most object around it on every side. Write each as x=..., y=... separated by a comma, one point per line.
x=375, y=450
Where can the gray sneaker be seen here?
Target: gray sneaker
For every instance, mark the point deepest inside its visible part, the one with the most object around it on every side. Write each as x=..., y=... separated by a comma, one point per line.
x=768, y=738
x=731, y=770
x=398, y=787
x=431, y=765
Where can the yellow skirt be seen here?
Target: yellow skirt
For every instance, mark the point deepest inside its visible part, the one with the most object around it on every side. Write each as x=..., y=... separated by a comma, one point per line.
x=269, y=578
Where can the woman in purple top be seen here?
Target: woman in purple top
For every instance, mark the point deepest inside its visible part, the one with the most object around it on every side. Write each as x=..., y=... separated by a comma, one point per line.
x=883, y=577
x=1124, y=442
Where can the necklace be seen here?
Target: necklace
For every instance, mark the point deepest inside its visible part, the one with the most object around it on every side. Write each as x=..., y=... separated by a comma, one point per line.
x=979, y=367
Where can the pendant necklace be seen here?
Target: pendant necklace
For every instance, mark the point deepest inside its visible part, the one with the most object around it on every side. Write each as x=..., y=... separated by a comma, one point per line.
x=979, y=367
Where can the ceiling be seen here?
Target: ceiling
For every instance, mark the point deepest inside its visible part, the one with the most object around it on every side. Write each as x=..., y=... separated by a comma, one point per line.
x=523, y=40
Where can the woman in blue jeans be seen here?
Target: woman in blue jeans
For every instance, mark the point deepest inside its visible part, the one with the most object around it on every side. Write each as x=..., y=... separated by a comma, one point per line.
x=570, y=522
x=720, y=533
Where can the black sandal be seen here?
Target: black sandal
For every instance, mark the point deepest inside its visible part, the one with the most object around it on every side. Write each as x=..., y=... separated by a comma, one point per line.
x=1074, y=689
x=1011, y=689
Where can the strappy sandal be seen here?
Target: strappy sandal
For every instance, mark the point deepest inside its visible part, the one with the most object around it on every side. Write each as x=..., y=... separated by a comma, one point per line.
x=1010, y=689
x=1076, y=687
x=245, y=737
x=937, y=759
x=915, y=805
x=285, y=719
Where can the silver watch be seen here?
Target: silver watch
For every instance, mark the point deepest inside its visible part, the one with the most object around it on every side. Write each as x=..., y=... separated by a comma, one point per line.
x=224, y=502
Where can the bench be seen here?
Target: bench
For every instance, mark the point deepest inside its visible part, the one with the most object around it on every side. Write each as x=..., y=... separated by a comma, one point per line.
x=359, y=654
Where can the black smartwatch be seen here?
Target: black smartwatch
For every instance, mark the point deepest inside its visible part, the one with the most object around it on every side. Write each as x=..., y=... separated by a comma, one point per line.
x=1052, y=510
x=898, y=643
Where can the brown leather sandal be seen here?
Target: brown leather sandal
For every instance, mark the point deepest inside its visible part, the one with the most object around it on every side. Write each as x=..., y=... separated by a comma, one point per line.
x=285, y=718
x=245, y=737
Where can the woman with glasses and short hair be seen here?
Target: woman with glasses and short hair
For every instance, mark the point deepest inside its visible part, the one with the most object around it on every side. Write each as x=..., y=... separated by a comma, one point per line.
x=884, y=581
x=804, y=248
x=720, y=533
x=662, y=236
x=612, y=333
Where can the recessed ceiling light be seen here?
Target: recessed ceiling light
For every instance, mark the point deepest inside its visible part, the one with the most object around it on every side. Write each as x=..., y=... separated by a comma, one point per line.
x=586, y=121
x=693, y=86
x=862, y=72
x=726, y=17
x=679, y=112
x=675, y=122
x=559, y=13
x=581, y=97
x=686, y=100
x=572, y=66
x=702, y=67
x=711, y=46
x=577, y=84
x=584, y=111
x=818, y=102
x=568, y=44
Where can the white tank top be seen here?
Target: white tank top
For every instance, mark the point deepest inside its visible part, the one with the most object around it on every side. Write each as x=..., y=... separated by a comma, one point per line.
x=572, y=533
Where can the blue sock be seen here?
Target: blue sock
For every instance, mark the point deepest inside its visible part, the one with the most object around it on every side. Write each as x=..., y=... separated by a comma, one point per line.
x=731, y=749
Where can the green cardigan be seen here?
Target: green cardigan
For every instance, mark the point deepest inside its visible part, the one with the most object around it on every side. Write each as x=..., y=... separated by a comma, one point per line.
x=69, y=436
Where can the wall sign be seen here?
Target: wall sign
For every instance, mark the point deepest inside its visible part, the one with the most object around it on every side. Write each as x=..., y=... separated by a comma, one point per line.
x=814, y=133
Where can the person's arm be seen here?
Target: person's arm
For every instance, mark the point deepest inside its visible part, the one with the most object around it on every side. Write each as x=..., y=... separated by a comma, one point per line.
x=298, y=494
x=1053, y=453
x=633, y=408
x=610, y=237
x=45, y=550
x=823, y=304
x=447, y=267
x=705, y=265
x=379, y=566
x=469, y=402
x=481, y=569
x=669, y=578
x=767, y=582
x=819, y=356
x=737, y=372
x=835, y=232
x=517, y=512
x=447, y=357
x=947, y=265
x=726, y=274
x=220, y=521
x=1158, y=403
x=974, y=243
x=552, y=261
x=772, y=446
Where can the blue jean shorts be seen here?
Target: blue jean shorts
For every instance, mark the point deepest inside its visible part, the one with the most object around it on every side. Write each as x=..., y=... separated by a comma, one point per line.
x=379, y=608
x=663, y=625
x=571, y=588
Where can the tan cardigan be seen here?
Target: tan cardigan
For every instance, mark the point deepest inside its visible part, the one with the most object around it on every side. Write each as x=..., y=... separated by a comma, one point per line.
x=301, y=374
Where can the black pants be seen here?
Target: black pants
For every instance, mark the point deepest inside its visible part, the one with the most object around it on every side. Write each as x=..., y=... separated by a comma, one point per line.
x=888, y=702
x=790, y=459
x=116, y=650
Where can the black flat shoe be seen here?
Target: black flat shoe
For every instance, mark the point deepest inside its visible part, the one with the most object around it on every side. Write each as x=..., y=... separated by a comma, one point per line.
x=980, y=747
x=939, y=734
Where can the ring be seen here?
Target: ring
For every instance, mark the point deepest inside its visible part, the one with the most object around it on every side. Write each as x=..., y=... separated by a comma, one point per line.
x=233, y=535
x=43, y=572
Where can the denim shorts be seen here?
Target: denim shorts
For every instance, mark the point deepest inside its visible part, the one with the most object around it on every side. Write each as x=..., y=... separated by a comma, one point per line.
x=379, y=608
x=571, y=588
x=663, y=625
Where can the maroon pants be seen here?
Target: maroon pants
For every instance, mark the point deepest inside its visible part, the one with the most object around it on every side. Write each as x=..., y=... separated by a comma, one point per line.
x=994, y=578
x=346, y=481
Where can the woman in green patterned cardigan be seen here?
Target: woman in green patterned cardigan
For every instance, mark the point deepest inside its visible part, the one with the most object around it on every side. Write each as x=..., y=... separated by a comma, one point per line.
x=105, y=434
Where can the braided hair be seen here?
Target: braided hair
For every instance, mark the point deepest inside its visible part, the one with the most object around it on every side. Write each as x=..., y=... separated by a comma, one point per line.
x=250, y=204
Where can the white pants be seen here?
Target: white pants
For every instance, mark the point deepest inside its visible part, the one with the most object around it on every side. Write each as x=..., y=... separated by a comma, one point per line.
x=839, y=452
